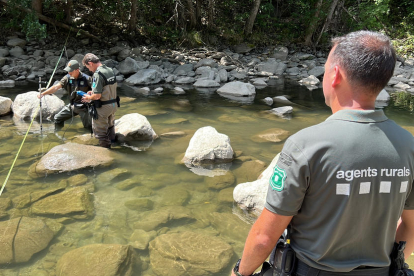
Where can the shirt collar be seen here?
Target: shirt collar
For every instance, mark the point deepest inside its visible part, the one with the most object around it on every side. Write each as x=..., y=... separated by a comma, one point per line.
x=362, y=116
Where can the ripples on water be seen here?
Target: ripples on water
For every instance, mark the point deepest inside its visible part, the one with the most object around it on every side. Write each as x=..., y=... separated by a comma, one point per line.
x=155, y=172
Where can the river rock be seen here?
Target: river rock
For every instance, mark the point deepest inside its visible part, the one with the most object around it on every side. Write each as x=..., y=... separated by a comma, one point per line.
x=206, y=83
x=251, y=196
x=317, y=71
x=134, y=127
x=4, y=52
x=145, y=76
x=140, y=239
x=220, y=182
x=383, y=96
x=160, y=217
x=272, y=67
x=7, y=83
x=311, y=80
x=271, y=135
x=69, y=157
x=131, y=66
x=16, y=42
x=74, y=202
x=5, y=105
x=238, y=89
x=185, y=80
x=282, y=111
x=25, y=106
x=99, y=260
x=280, y=53
x=206, y=62
x=207, y=145
x=16, y=52
x=21, y=238
x=189, y=253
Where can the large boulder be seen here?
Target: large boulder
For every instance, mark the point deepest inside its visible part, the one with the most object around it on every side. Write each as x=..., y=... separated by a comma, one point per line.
x=21, y=238
x=70, y=157
x=25, y=106
x=145, y=76
x=237, y=89
x=131, y=66
x=251, y=196
x=134, y=127
x=75, y=202
x=271, y=66
x=99, y=260
x=208, y=146
x=178, y=254
x=5, y=105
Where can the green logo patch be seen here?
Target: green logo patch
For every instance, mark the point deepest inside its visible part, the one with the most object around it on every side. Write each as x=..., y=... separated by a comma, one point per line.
x=277, y=181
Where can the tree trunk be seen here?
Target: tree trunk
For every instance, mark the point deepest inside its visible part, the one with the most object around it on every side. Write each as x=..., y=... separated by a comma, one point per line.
x=328, y=19
x=198, y=13
x=37, y=6
x=210, y=22
x=248, y=28
x=132, y=23
x=313, y=24
x=68, y=11
x=192, y=14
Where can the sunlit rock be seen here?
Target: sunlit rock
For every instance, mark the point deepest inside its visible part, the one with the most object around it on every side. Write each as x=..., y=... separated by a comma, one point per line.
x=5, y=105
x=145, y=76
x=134, y=127
x=251, y=196
x=131, y=66
x=7, y=83
x=75, y=202
x=21, y=238
x=311, y=80
x=70, y=157
x=237, y=89
x=99, y=260
x=271, y=135
x=208, y=146
x=189, y=253
x=26, y=106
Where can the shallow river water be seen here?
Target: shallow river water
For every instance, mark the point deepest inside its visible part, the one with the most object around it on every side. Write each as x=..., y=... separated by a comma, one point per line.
x=157, y=173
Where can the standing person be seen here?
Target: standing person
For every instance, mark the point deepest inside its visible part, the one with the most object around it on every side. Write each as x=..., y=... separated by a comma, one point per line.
x=104, y=98
x=343, y=184
x=72, y=82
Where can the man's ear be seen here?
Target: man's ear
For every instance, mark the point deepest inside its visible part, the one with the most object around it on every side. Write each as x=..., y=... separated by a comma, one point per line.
x=338, y=77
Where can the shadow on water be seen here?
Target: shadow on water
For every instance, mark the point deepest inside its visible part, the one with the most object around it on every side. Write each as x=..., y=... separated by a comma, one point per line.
x=147, y=191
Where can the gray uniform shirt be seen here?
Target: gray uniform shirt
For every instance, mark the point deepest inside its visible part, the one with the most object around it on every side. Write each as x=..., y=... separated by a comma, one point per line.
x=346, y=181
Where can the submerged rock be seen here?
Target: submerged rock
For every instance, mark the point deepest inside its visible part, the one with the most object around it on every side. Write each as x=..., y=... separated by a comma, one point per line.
x=189, y=253
x=99, y=260
x=75, y=202
x=21, y=238
x=70, y=157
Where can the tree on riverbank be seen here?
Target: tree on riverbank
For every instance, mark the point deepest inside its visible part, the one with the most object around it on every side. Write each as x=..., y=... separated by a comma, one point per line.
x=213, y=22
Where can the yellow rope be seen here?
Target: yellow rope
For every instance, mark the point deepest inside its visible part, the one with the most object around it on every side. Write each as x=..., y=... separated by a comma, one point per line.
x=37, y=110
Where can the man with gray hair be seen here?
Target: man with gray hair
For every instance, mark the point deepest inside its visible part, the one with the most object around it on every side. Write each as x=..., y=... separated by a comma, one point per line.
x=104, y=99
x=344, y=186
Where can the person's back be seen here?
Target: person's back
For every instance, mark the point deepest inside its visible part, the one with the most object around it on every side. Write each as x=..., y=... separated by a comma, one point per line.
x=344, y=184
x=355, y=168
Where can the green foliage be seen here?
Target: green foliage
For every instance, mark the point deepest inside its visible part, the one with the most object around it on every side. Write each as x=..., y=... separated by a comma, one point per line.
x=404, y=100
x=27, y=22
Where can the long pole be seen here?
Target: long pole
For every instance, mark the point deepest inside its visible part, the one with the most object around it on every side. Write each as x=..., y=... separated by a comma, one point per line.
x=40, y=91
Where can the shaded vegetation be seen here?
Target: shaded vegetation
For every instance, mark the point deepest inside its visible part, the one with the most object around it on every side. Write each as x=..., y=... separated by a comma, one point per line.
x=193, y=23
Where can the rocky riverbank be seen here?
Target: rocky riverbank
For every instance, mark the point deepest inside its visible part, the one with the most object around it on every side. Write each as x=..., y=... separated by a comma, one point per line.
x=201, y=68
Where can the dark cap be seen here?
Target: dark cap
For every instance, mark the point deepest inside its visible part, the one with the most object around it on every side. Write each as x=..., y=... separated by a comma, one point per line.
x=72, y=65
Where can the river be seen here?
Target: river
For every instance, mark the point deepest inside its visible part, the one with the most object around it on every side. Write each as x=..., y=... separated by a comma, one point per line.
x=156, y=170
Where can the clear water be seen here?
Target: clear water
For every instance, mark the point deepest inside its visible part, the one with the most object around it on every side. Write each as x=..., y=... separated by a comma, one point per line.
x=157, y=173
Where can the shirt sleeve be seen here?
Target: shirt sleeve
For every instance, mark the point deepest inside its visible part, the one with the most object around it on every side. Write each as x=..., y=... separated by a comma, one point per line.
x=64, y=82
x=289, y=181
x=97, y=84
x=409, y=202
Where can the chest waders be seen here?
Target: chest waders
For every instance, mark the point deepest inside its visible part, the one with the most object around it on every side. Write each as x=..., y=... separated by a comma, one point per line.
x=98, y=103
